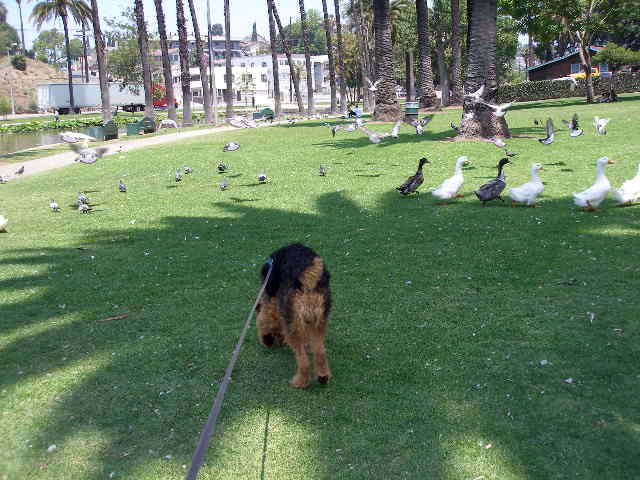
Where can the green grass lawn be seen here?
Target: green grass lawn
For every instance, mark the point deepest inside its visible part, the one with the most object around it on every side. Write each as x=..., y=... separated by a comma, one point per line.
x=442, y=314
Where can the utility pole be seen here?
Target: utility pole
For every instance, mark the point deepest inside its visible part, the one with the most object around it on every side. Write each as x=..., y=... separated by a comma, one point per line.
x=290, y=73
x=84, y=46
x=212, y=73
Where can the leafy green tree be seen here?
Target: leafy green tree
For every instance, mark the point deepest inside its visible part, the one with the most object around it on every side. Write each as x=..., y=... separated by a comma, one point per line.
x=8, y=34
x=217, y=29
x=315, y=32
x=5, y=107
x=49, y=45
x=616, y=57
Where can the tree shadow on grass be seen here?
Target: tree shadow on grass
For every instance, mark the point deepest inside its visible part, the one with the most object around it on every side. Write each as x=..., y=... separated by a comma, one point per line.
x=430, y=302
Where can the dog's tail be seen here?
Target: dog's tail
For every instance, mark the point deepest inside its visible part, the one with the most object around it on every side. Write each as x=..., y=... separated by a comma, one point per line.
x=312, y=274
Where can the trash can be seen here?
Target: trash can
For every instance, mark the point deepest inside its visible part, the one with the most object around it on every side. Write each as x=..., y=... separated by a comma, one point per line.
x=411, y=110
x=97, y=133
x=133, y=128
x=110, y=130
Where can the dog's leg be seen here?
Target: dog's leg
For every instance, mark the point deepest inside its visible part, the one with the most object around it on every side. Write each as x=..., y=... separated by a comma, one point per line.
x=320, y=357
x=301, y=377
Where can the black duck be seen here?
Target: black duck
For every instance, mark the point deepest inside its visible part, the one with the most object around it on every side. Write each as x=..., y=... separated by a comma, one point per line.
x=414, y=181
x=492, y=189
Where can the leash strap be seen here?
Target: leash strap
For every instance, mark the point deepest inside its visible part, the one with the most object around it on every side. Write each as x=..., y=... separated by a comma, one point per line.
x=209, y=428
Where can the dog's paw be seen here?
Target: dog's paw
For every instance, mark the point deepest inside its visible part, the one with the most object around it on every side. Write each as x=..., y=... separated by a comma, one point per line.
x=323, y=379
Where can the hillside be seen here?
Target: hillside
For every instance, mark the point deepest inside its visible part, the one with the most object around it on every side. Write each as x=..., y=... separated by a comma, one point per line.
x=24, y=83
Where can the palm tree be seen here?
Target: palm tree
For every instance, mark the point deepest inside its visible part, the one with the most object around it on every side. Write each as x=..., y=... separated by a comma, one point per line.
x=48, y=10
x=24, y=47
x=227, y=56
x=387, y=108
x=274, y=61
x=425, y=81
x=311, y=109
x=287, y=51
x=456, y=53
x=185, y=76
x=332, y=68
x=341, y=71
x=206, y=97
x=102, y=62
x=143, y=46
x=478, y=120
x=166, y=63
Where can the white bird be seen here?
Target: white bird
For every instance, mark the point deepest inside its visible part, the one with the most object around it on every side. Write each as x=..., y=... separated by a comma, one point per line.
x=237, y=122
x=84, y=208
x=396, y=129
x=3, y=224
x=498, y=142
x=601, y=124
x=3, y=180
x=593, y=196
x=230, y=147
x=224, y=184
x=629, y=192
x=54, y=205
x=475, y=96
x=82, y=198
x=87, y=155
x=374, y=137
x=167, y=123
x=574, y=128
x=527, y=192
x=420, y=124
x=178, y=176
x=373, y=86
x=74, y=137
x=451, y=186
x=359, y=122
x=498, y=110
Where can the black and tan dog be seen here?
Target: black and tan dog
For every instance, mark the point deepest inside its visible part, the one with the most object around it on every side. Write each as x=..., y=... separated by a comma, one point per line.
x=294, y=309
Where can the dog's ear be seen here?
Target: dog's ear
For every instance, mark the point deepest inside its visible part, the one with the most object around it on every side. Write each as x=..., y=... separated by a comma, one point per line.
x=258, y=307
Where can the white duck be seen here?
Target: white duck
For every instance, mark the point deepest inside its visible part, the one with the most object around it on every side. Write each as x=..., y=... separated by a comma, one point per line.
x=596, y=193
x=3, y=224
x=451, y=186
x=629, y=192
x=74, y=137
x=528, y=192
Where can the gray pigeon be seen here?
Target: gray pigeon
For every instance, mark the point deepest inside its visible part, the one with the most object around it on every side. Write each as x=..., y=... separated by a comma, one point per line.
x=574, y=128
x=262, y=178
x=178, y=175
x=221, y=167
x=122, y=187
x=20, y=171
x=84, y=208
x=54, y=205
x=82, y=199
x=87, y=155
x=230, y=147
x=420, y=124
x=224, y=184
x=550, y=133
x=187, y=170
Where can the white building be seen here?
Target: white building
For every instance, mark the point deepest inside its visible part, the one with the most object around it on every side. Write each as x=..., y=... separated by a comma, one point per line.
x=252, y=76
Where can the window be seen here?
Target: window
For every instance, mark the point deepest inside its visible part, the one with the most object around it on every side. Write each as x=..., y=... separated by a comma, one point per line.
x=232, y=78
x=196, y=93
x=263, y=78
x=253, y=64
x=243, y=64
x=576, y=68
x=195, y=78
x=604, y=67
x=264, y=64
x=282, y=62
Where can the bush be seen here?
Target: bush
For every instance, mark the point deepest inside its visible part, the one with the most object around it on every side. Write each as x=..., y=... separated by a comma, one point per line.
x=19, y=62
x=5, y=107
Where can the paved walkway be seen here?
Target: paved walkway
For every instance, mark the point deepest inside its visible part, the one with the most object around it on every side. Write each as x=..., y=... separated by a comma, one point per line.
x=59, y=160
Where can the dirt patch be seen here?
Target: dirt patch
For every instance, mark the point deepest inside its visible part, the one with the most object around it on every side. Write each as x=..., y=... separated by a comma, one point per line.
x=25, y=83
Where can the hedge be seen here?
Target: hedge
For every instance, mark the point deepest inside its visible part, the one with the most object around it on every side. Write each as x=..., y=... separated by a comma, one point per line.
x=547, y=89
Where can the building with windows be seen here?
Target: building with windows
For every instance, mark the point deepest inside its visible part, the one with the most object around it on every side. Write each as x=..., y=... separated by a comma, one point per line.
x=217, y=43
x=562, y=66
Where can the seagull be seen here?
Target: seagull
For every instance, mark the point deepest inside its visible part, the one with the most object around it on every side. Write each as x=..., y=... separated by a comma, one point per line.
x=3, y=224
x=550, y=133
x=323, y=171
x=84, y=208
x=373, y=86
x=230, y=147
x=178, y=175
x=224, y=184
x=455, y=127
x=221, y=167
x=374, y=137
x=187, y=170
x=82, y=199
x=498, y=110
x=396, y=129
x=601, y=124
x=20, y=171
x=88, y=155
x=54, y=205
x=74, y=137
x=475, y=96
x=420, y=124
x=262, y=178
x=576, y=131
x=122, y=187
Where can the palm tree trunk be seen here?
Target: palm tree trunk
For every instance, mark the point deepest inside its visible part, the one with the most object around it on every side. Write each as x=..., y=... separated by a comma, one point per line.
x=185, y=76
x=24, y=47
x=166, y=63
x=341, y=71
x=72, y=102
x=84, y=51
x=408, y=69
x=311, y=109
x=387, y=108
x=364, y=56
x=102, y=62
x=204, y=79
x=212, y=68
x=227, y=56
x=425, y=74
x=143, y=45
x=274, y=62
x=456, y=53
x=442, y=73
x=332, y=68
x=287, y=51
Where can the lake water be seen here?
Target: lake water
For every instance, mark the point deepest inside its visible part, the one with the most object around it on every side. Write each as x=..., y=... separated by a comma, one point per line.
x=15, y=142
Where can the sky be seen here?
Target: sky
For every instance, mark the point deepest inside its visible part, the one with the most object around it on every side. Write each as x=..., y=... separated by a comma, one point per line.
x=243, y=14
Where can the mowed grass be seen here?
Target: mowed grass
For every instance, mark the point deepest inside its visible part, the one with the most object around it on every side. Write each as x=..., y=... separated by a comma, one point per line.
x=442, y=314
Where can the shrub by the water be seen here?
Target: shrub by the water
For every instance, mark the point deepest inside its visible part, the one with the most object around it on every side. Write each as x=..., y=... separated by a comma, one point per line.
x=19, y=62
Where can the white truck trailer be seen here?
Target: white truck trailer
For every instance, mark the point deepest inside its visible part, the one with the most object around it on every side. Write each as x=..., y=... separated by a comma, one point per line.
x=55, y=96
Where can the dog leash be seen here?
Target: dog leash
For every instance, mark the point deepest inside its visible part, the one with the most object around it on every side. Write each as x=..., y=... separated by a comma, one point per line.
x=208, y=429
